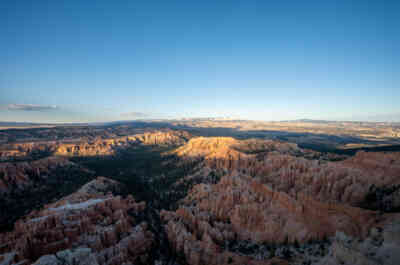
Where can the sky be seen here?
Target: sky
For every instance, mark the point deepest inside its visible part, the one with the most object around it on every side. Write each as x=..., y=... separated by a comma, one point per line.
x=87, y=61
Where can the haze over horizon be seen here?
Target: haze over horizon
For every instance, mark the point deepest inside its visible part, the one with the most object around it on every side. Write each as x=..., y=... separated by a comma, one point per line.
x=74, y=61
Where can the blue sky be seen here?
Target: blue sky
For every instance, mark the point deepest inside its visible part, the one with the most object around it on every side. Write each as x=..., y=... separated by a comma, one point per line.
x=266, y=60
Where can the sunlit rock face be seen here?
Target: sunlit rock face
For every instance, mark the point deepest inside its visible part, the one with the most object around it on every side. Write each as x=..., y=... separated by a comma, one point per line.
x=228, y=148
x=200, y=239
x=241, y=208
x=17, y=176
x=26, y=150
x=244, y=202
x=15, y=154
x=110, y=146
x=282, y=166
x=108, y=225
x=269, y=193
x=255, y=211
x=88, y=143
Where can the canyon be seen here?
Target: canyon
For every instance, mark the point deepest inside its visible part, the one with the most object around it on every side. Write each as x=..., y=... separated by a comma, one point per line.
x=91, y=222
x=175, y=197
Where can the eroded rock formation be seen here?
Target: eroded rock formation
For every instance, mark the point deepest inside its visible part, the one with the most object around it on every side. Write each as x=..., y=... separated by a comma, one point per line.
x=89, y=146
x=380, y=247
x=89, y=218
x=242, y=208
x=281, y=166
x=26, y=150
x=22, y=175
x=110, y=146
x=244, y=202
x=27, y=185
x=270, y=194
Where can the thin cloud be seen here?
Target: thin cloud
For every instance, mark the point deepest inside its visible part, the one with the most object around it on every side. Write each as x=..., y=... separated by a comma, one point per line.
x=28, y=107
x=135, y=115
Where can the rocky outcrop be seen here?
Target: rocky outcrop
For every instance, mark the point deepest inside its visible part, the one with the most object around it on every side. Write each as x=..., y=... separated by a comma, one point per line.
x=341, y=181
x=200, y=242
x=269, y=193
x=214, y=148
x=231, y=202
x=100, y=185
x=255, y=211
x=101, y=147
x=241, y=208
x=282, y=167
x=108, y=225
x=22, y=175
x=166, y=137
x=26, y=151
x=89, y=146
x=380, y=247
x=79, y=256
x=376, y=164
x=12, y=154
x=28, y=185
